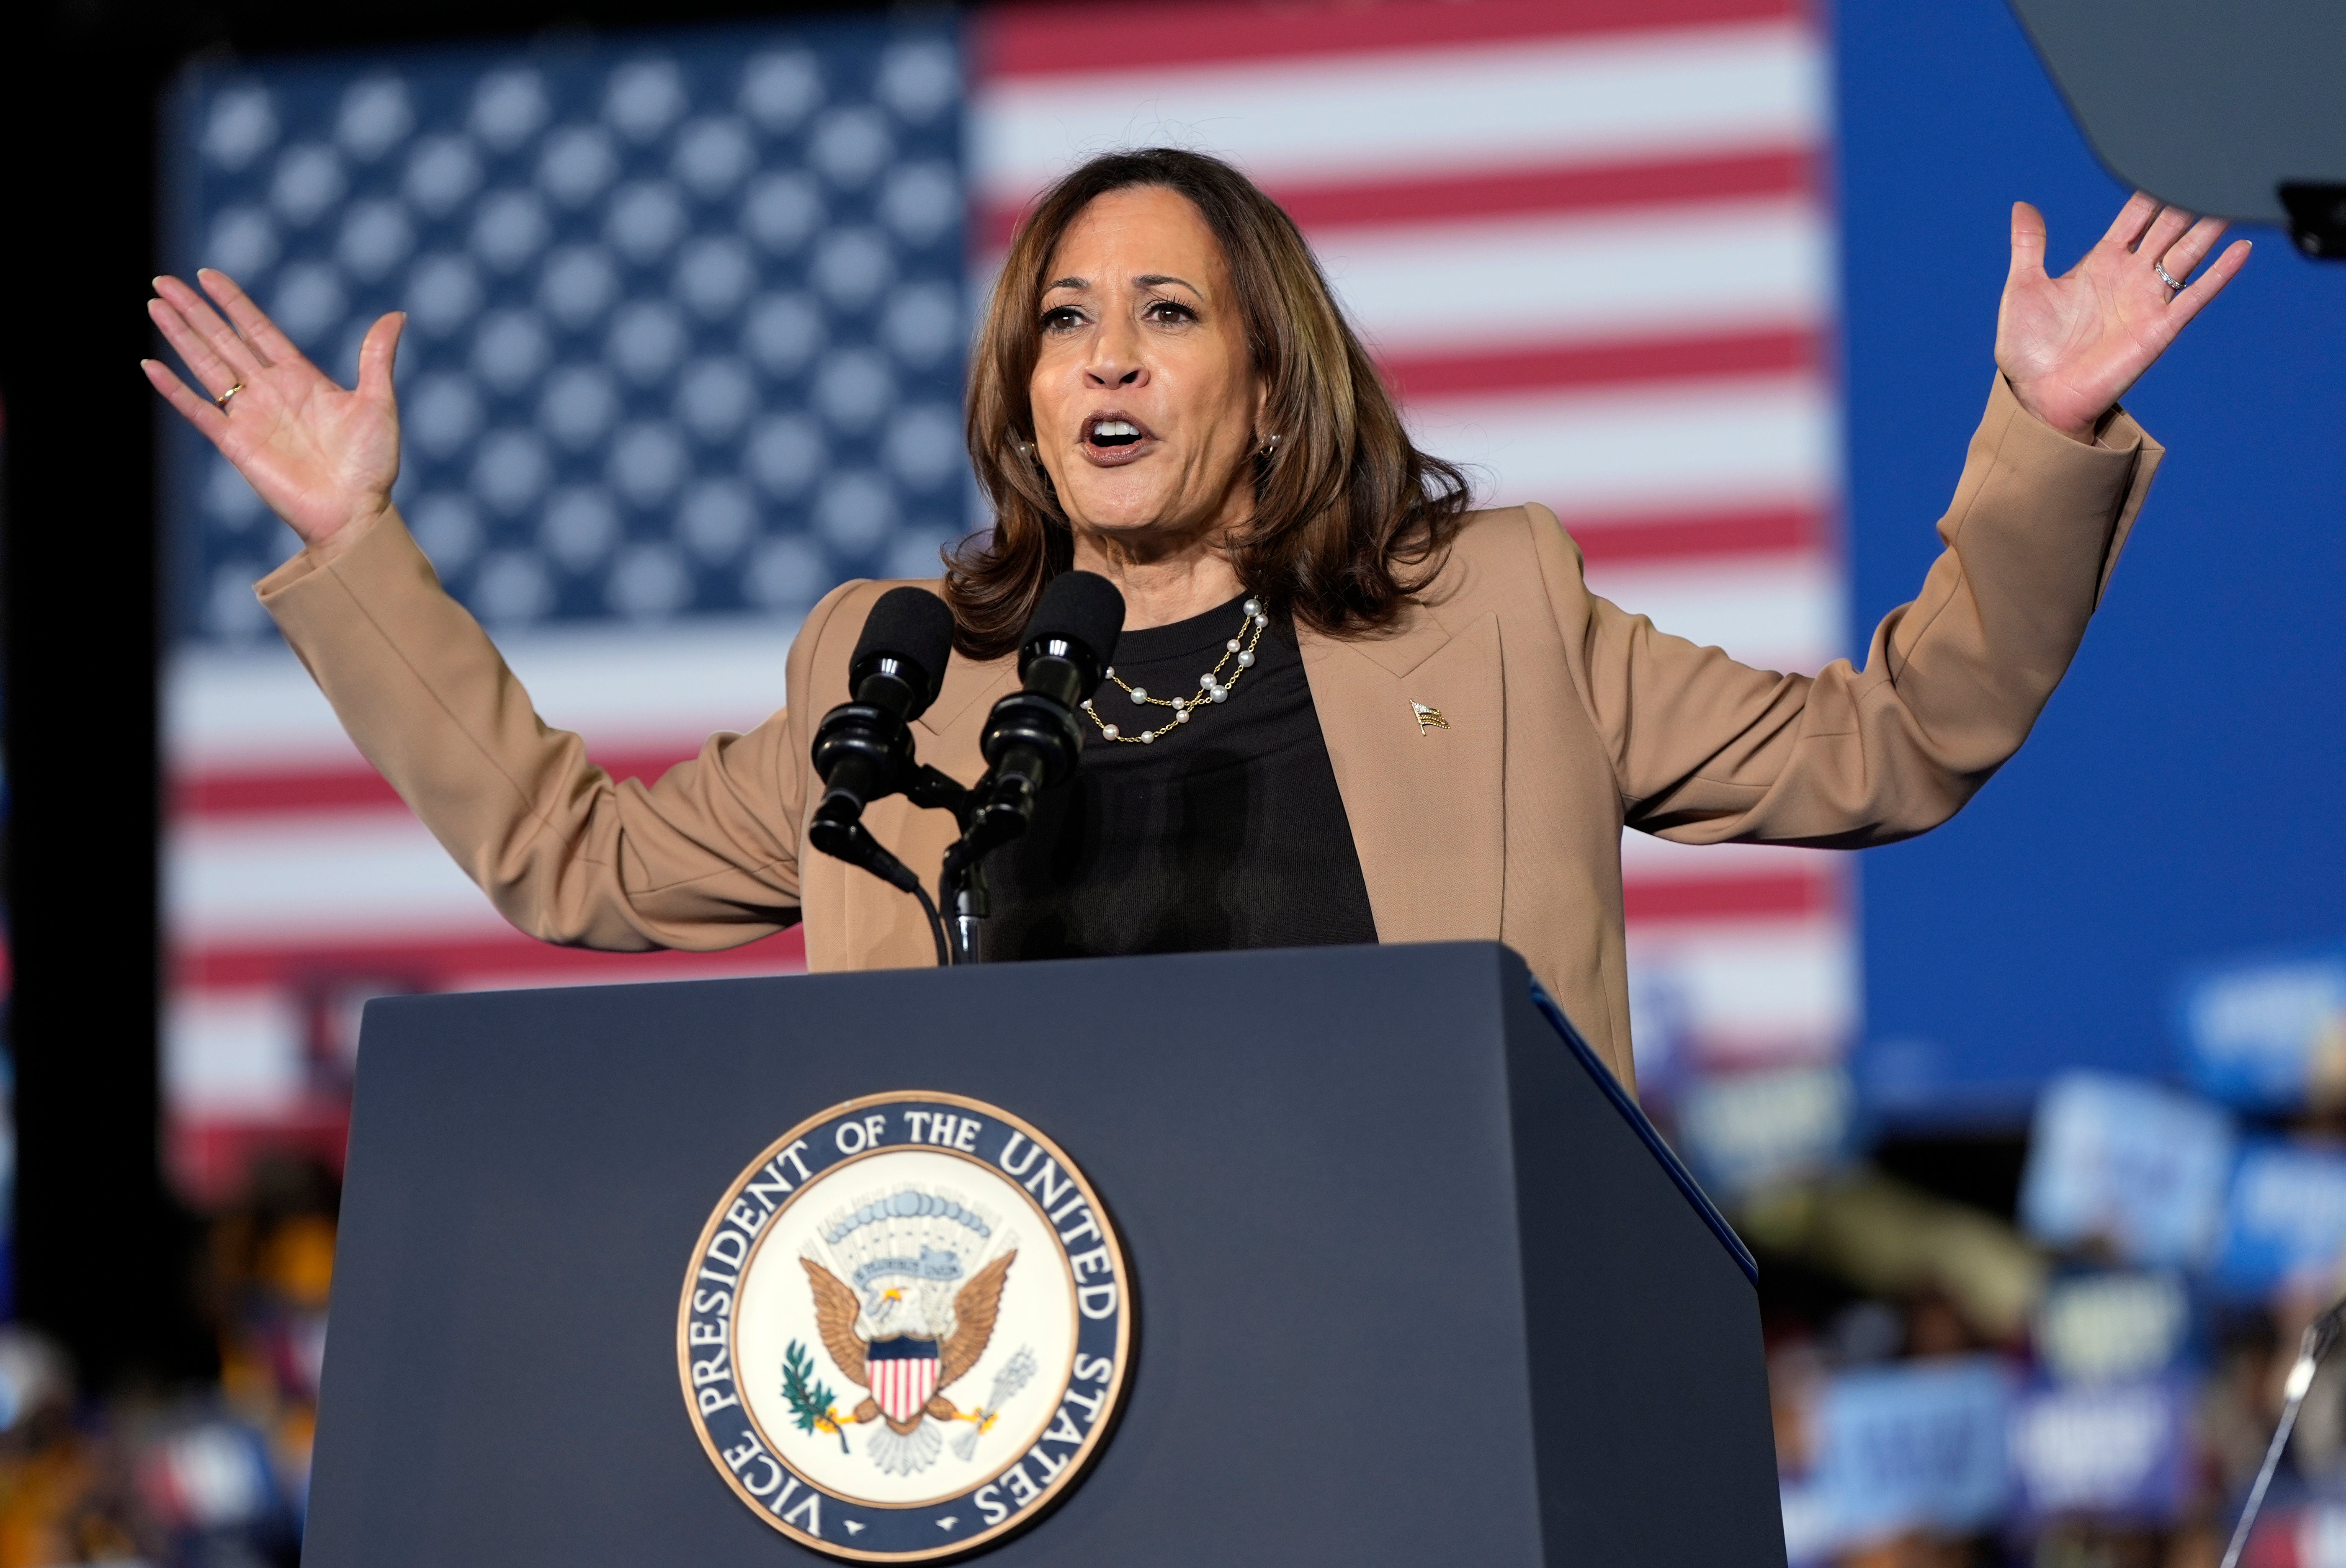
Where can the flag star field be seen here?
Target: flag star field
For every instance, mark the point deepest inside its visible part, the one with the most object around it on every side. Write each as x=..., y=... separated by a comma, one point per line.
x=685, y=323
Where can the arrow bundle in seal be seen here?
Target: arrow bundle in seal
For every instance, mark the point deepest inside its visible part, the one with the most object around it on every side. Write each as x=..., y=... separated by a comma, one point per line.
x=1006, y=1382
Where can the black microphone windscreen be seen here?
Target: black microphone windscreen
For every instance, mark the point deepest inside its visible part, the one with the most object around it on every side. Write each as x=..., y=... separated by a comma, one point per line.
x=1081, y=608
x=913, y=624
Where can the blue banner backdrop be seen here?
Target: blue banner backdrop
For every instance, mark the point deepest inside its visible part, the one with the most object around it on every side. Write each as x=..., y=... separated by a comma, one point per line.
x=2175, y=803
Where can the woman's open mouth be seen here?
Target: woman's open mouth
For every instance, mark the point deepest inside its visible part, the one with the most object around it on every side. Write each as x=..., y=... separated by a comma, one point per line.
x=1109, y=438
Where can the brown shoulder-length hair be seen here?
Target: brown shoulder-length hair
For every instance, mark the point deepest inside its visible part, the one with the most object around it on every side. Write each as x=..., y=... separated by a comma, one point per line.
x=1350, y=518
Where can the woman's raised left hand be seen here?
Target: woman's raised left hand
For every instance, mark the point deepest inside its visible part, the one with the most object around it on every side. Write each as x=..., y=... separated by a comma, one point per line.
x=324, y=458
x=2072, y=345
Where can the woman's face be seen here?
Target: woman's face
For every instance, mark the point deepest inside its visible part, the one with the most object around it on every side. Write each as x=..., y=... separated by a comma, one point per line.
x=1144, y=397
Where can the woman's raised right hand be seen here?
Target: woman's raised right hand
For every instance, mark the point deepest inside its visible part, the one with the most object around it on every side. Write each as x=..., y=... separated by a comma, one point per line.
x=322, y=457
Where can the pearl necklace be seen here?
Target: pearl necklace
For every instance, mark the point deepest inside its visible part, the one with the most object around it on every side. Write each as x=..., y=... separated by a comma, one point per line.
x=1211, y=687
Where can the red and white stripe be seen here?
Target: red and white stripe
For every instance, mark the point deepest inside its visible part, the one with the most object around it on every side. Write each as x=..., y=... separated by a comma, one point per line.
x=297, y=883
x=1585, y=238
x=902, y=1385
x=1587, y=241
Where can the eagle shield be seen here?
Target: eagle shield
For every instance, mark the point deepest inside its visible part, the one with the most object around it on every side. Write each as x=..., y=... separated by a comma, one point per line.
x=902, y=1374
x=910, y=1317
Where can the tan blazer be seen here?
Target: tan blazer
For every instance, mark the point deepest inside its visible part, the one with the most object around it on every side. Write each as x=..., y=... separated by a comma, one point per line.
x=1567, y=719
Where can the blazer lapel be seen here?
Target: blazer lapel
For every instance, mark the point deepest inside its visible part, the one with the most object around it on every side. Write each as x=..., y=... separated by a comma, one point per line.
x=957, y=718
x=1415, y=723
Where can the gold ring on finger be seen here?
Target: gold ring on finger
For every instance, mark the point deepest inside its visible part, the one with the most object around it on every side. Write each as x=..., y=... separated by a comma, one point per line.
x=221, y=401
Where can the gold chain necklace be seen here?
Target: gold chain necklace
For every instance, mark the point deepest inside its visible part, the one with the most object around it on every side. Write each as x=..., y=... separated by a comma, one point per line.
x=1211, y=687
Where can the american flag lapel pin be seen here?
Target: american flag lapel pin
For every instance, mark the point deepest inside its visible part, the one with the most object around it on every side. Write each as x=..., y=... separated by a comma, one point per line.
x=1428, y=717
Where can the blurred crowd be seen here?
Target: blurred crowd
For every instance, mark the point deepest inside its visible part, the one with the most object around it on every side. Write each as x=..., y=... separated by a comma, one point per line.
x=1949, y=1392
x=2070, y=1351
x=213, y=1477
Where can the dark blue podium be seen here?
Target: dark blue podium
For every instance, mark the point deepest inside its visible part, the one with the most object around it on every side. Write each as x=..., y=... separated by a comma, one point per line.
x=1413, y=1281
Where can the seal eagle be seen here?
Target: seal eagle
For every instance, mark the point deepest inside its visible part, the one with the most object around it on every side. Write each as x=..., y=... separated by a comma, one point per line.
x=936, y=1355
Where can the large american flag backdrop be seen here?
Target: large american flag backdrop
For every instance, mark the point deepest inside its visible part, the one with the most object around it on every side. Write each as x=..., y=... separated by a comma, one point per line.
x=687, y=325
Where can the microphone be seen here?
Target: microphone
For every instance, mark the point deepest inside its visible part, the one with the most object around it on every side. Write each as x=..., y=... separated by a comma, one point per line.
x=864, y=748
x=1033, y=737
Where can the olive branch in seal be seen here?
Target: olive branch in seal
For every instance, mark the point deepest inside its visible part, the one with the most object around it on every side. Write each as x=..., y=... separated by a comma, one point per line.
x=811, y=1404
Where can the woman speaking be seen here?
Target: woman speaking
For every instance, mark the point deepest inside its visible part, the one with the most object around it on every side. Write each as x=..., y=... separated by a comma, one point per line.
x=1345, y=708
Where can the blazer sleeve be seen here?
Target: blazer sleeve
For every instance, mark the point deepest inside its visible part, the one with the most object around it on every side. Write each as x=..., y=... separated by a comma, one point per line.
x=1706, y=750
x=707, y=858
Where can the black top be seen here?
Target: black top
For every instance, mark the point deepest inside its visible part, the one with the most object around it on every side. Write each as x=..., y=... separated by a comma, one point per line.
x=1226, y=833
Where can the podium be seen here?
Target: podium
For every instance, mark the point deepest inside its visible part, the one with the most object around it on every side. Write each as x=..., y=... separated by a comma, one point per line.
x=1410, y=1280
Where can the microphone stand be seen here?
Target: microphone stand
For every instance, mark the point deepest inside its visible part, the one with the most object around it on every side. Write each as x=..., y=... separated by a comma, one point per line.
x=852, y=841
x=2315, y=1343
x=990, y=817
x=965, y=901
x=990, y=814
x=1031, y=739
x=960, y=889
x=843, y=836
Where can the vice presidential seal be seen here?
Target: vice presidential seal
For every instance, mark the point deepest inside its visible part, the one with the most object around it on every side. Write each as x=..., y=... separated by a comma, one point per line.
x=905, y=1330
